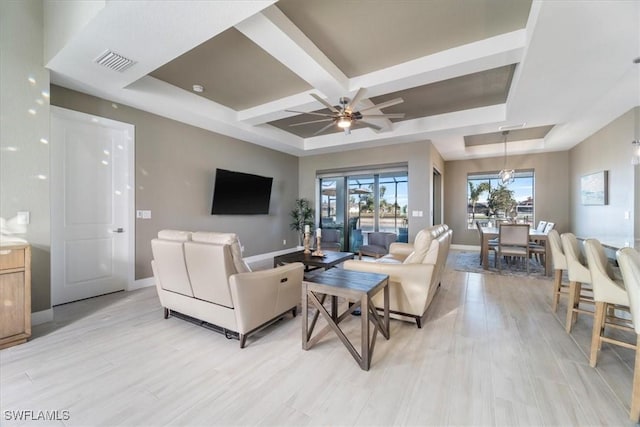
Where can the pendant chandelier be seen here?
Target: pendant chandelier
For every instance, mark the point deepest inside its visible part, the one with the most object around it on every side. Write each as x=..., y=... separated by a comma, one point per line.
x=507, y=176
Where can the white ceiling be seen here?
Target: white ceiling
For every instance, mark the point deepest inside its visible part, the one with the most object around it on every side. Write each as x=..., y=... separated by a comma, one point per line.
x=575, y=71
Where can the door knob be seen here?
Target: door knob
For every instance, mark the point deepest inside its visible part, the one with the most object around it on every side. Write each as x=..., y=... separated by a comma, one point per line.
x=118, y=230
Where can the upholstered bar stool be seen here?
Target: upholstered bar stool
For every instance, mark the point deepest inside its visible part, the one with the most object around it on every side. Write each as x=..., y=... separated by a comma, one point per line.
x=607, y=292
x=629, y=261
x=579, y=275
x=559, y=265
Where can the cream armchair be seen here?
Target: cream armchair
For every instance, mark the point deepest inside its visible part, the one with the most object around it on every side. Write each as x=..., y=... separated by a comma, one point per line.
x=414, y=276
x=202, y=275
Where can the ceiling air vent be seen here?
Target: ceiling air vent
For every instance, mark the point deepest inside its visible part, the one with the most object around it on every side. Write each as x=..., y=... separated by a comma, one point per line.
x=114, y=61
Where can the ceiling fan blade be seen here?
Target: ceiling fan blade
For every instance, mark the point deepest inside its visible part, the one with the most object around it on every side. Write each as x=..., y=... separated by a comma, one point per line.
x=310, y=112
x=356, y=98
x=388, y=116
x=369, y=125
x=323, y=129
x=325, y=103
x=312, y=121
x=385, y=104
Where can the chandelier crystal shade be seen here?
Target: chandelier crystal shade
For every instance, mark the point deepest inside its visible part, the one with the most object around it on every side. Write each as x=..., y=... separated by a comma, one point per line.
x=506, y=176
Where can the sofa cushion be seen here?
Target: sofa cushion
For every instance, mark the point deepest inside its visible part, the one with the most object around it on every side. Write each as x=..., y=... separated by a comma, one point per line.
x=420, y=247
x=230, y=239
x=174, y=235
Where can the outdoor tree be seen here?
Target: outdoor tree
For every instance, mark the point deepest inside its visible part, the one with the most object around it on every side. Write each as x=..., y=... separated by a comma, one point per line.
x=501, y=200
x=474, y=195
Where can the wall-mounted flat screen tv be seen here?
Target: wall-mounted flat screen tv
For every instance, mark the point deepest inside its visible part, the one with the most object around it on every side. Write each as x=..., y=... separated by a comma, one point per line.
x=237, y=193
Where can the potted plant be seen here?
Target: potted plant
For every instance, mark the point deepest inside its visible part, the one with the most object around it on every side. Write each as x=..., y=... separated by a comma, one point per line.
x=301, y=215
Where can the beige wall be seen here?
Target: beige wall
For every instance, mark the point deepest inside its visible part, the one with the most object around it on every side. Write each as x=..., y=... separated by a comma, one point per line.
x=417, y=155
x=551, y=190
x=437, y=162
x=175, y=169
x=24, y=159
x=608, y=149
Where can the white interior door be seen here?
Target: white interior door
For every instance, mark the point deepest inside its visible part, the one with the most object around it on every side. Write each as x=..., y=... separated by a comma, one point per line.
x=92, y=199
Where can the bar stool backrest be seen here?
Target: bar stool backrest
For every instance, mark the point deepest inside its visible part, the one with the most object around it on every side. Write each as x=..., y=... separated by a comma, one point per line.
x=629, y=261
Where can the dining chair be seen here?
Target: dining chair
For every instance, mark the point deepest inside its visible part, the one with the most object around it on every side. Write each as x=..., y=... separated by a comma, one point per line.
x=538, y=248
x=629, y=262
x=548, y=227
x=608, y=292
x=513, y=241
x=579, y=276
x=493, y=243
x=559, y=265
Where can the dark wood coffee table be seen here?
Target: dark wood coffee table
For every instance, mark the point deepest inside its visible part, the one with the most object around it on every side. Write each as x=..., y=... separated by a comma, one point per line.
x=357, y=287
x=330, y=259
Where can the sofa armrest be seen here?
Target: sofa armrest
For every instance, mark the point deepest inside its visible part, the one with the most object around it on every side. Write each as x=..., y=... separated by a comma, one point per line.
x=259, y=296
x=400, y=250
x=409, y=284
x=396, y=272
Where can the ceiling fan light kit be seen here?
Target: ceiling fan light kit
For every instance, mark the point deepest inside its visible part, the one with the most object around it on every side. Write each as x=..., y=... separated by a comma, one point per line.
x=345, y=116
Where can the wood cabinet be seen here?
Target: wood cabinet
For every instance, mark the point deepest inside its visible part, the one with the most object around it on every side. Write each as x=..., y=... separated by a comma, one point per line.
x=15, y=294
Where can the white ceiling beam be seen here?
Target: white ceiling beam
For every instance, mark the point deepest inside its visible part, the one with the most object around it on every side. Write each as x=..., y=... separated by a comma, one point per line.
x=144, y=31
x=282, y=39
x=161, y=98
x=474, y=57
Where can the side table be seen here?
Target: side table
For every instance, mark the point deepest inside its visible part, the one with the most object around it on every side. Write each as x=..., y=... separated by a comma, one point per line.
x=355, y=286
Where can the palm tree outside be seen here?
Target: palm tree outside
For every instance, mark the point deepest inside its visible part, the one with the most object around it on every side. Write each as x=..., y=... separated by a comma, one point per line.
x=475, y=191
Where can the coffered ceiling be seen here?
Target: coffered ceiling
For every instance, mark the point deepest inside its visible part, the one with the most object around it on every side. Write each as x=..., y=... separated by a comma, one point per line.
x=556, y=70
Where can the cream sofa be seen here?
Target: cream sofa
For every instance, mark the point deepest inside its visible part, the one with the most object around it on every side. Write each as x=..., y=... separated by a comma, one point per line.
x=203, y=275
x=415, y=272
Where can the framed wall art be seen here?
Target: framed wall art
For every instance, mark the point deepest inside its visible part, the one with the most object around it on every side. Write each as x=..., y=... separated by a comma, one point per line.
x=594, y=188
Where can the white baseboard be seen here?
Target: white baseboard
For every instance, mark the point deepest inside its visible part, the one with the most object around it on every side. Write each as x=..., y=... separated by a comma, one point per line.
x=466, y=248
x=142, y=283
x=40, y=317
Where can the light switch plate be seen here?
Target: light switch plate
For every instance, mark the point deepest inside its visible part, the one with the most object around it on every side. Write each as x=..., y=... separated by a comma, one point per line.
x=146, y=214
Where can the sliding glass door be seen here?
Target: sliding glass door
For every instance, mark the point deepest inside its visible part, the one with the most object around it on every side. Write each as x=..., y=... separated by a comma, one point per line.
x=332, y=205
x=360, y=204
x=393, y=201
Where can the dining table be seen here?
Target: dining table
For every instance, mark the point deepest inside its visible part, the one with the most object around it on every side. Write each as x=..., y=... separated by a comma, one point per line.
x=488, y=233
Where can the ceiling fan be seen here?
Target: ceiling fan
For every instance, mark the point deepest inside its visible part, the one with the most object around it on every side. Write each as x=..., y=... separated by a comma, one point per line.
x=345, y=115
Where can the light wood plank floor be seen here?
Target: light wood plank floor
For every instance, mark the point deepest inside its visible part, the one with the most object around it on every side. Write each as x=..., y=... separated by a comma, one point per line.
x=491, y=352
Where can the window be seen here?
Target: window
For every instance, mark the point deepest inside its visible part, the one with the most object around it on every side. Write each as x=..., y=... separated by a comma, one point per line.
x=490, y=201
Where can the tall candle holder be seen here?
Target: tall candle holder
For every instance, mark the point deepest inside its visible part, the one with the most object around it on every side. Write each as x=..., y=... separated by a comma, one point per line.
x=318, y=251
x=307, y=238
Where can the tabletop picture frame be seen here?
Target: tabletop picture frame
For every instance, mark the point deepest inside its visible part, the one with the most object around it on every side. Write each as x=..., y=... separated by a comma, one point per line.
x=594, y=189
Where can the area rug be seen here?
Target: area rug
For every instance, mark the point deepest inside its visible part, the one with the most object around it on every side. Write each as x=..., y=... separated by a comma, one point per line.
x=470, y=262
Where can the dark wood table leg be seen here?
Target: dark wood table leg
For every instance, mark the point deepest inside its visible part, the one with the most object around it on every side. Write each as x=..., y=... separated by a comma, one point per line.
x=386, y=332
x=365, y=362
x=305, y=317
